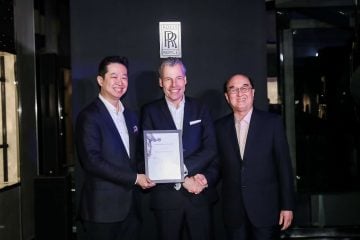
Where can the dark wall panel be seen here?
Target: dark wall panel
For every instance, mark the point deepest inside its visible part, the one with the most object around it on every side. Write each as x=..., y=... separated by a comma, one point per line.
x=218, y=39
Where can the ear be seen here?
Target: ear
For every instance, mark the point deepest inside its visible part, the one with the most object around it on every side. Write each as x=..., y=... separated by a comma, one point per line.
x=185, y=80
x=226, y=97
x=100, y=80
x=160, y=82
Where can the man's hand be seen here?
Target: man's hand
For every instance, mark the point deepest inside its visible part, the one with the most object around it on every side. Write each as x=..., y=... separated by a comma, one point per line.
x=201, y=179
x=195, y=184
x=144, y=182
x=286, y=218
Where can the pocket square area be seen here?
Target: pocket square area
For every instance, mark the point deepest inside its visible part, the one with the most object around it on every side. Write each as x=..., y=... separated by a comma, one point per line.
x=195, y=122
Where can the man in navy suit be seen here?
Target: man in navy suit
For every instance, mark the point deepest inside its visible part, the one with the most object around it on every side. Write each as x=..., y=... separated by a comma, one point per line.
x=186, y=205
x=257, y=176
x=106, y=139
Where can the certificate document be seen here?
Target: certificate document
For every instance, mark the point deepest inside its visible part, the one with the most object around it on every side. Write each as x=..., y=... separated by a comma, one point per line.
x=164, y=156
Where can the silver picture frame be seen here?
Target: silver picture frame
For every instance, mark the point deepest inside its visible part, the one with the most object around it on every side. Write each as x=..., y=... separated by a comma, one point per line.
x=164, y=156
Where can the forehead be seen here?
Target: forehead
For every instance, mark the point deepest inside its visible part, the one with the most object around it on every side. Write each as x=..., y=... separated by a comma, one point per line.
x=115, y=67
x=238, y=81
x=175, y=69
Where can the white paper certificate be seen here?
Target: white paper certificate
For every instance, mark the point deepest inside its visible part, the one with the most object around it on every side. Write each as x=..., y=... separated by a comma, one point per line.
x=163, y=156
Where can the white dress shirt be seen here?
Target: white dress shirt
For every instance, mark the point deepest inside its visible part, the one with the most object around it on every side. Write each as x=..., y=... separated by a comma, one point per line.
x=177, y=114
x=117, y=116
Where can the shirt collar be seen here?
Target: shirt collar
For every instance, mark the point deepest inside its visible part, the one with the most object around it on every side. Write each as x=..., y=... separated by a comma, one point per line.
x=247, y=117
x=111, y=107
x=171, y=105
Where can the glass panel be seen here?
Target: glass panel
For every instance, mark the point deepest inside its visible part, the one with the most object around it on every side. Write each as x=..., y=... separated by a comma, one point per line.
x=9, y=135
x=316, y=55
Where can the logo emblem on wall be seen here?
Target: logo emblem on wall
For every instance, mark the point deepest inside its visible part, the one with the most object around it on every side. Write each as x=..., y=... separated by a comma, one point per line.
x=170, y=39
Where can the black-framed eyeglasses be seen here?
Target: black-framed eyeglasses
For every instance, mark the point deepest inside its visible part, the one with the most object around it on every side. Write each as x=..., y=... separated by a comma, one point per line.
x=237, y=90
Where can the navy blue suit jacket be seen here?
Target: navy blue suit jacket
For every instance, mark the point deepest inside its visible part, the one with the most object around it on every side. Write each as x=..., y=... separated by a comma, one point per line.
x=109, y=173
x=199, y=149
x=261, y=184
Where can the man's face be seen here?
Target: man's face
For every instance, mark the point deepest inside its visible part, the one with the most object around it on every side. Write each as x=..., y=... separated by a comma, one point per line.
x=173, y=81
x=115, y=82
x=240, y=94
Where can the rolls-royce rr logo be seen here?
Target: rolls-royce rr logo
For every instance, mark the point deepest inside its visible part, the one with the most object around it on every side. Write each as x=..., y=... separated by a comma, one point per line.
x=170, y=39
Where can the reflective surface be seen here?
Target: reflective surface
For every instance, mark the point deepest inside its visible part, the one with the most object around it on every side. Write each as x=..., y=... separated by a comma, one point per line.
x=318, y=57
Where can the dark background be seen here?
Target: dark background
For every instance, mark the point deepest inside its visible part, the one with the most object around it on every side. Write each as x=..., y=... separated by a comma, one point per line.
x=218, y=40
x=317, y=40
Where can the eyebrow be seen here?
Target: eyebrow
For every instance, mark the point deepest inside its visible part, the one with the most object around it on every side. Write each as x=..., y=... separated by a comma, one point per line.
x=244, y=85
x=118, y=74
x=178, y=77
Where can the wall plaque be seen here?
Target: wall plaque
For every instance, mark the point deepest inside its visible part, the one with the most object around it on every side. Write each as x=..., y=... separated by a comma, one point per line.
x=170, y=39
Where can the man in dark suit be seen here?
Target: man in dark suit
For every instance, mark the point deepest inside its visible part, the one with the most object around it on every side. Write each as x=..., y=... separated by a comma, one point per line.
x=106, y=139
x=257, y=176
x=186, y=205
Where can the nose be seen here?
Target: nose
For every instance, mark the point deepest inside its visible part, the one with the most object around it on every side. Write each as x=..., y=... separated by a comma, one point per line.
x=173, y=82
x=120, y=81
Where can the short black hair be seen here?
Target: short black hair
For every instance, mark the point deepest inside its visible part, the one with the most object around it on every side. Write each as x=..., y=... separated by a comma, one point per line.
x=102, y=70
x=244, y=75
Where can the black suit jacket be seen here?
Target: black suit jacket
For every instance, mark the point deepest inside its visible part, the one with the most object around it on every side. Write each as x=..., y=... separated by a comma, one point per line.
x=109, y=174
x=261, y=184
x=199, y=149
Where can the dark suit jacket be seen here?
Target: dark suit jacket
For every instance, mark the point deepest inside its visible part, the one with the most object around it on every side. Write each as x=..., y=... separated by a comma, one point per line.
x=199, y=149
x=109, y=173
x=262, y=183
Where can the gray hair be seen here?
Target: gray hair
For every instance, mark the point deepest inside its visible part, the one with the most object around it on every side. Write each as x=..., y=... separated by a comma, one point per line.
x=171, y=61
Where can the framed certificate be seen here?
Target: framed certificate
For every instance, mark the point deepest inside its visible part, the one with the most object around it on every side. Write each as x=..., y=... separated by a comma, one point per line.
x=164, y=156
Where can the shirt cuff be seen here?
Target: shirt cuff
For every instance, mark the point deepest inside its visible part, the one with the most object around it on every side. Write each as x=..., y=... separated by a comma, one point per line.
x=185, y=171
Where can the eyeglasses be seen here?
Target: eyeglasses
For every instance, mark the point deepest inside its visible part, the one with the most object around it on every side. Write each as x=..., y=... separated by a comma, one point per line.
x=237, y=90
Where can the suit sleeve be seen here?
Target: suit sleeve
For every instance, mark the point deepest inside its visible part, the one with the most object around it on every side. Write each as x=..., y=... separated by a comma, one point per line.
x=145, y=124
x=90, y=148
x=285, y=171
x=212, y=173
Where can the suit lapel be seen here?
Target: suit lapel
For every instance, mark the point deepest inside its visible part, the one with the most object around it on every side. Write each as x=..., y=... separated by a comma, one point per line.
x=104, y=113
x=252, y=132
x=232, y=148
x=187, y=115
x=132, y=131
x=231, y=132
x=167, y=115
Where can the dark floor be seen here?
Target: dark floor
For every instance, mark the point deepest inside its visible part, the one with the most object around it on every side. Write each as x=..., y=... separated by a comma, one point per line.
x=316, y=233
x=333, y=233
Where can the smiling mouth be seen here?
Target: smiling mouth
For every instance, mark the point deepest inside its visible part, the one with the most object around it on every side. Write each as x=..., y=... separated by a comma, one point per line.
x=118, y=89
x=174, y=90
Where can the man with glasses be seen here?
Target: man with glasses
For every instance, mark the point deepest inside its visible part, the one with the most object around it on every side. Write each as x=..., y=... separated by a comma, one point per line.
x=257, y=177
